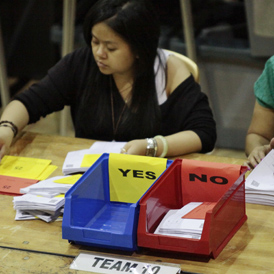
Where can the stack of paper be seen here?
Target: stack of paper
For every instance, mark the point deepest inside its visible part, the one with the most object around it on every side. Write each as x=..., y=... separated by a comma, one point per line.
x=34, y=202
x=259, y=184
x=44, y=200
x=81, y=160
x=187, y=222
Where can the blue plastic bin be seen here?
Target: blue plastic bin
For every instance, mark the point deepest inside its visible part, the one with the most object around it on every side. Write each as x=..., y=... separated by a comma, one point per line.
x=90, y=218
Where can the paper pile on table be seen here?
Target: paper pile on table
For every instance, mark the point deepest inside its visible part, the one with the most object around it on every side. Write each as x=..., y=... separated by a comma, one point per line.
x=187, y=222
x=37, y=202
x=80, y=160
x=36, y=205
x=44, y=200
x=259, y=184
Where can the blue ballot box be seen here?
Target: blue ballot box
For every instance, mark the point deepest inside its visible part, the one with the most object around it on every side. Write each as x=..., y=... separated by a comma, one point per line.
x=91, y=218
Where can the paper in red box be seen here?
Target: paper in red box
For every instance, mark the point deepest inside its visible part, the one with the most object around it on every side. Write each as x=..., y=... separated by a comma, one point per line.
x=200, y=211
x=222, y=184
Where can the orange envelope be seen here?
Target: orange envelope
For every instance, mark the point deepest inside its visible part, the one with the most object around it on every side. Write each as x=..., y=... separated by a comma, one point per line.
x=11, y=185
x=207, y=181
x=200, y=211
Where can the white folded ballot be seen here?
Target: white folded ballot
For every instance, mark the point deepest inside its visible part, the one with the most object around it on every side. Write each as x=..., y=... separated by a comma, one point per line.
x=80, y=160
x=52, y=186
x=73, y=162
x=187, y=222
x=259, y=184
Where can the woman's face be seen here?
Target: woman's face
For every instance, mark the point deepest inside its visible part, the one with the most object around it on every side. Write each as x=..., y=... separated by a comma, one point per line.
x=112, y=54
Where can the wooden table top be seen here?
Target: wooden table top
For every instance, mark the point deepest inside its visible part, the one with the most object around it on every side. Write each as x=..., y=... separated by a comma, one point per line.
x=251, y=250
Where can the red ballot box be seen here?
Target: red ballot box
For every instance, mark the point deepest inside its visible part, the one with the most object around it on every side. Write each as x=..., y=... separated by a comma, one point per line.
x=188, y=181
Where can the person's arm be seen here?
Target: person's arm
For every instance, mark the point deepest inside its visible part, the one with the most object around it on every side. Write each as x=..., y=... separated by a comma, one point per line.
x=180, y=143
x=259, y=134
x=15, y=114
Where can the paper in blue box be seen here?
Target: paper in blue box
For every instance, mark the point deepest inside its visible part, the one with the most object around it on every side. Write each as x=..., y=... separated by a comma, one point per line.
x=92, y=218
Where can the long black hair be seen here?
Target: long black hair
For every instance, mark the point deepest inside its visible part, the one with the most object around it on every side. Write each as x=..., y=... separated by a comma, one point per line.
x=136, y=22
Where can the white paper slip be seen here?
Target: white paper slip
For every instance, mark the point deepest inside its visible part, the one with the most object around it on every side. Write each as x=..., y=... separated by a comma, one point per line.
x=48, y=186
x=106, y=147
x=23, y=216
x=174, y=225
x=45, y=193
x=259, y=183
x=73, y=161
x=36, y=214
x=112, y=265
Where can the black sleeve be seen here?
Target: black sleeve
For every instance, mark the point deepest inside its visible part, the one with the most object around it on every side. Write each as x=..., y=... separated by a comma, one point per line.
x=187, y=108
x=58, y=88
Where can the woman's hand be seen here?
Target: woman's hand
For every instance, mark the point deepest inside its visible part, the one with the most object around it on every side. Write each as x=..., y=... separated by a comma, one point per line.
x=135, y=147
x=258, y=153
x=6, y=137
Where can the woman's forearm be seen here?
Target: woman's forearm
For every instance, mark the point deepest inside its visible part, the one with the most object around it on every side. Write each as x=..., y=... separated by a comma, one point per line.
x=253, y=141
x=181, y=143
x=16, y=113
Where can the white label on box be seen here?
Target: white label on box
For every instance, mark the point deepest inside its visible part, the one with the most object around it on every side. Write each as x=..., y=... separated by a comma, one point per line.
x=112, y=265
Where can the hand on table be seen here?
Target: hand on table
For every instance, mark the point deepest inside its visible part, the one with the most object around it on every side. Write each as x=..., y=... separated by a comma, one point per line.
x=135, y=147
x=258, y=154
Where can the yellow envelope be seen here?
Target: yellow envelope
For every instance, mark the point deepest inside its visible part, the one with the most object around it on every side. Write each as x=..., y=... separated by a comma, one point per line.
x=130, y=175
x=46, y=173
x=70, y=180
x=23, y=167
x=89, y=159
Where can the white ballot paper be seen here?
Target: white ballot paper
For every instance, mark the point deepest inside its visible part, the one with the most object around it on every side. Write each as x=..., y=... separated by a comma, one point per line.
x=174, y=225
x=259, y=184
x=74, y=159
x=114, y=265
x=47, y=187
x=106, y=147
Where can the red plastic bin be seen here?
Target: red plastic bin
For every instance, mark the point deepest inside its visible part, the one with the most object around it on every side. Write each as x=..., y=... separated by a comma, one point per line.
x=221, y=223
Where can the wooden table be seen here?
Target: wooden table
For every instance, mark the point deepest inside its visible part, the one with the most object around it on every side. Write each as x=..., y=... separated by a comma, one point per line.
x=38, y=246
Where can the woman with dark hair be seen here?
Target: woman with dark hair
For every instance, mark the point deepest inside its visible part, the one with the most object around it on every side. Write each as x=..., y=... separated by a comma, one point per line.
x=121, y=87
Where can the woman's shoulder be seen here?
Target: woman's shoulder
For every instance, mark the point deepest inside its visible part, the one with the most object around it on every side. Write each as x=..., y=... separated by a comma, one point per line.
x=270, y=61
x=264, y=86
x=177, y=72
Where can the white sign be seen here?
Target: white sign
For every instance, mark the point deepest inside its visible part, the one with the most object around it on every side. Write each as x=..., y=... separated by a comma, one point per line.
x=111, y=265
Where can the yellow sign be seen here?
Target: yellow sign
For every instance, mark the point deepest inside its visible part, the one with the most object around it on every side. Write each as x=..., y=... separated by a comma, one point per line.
x=130, y=176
